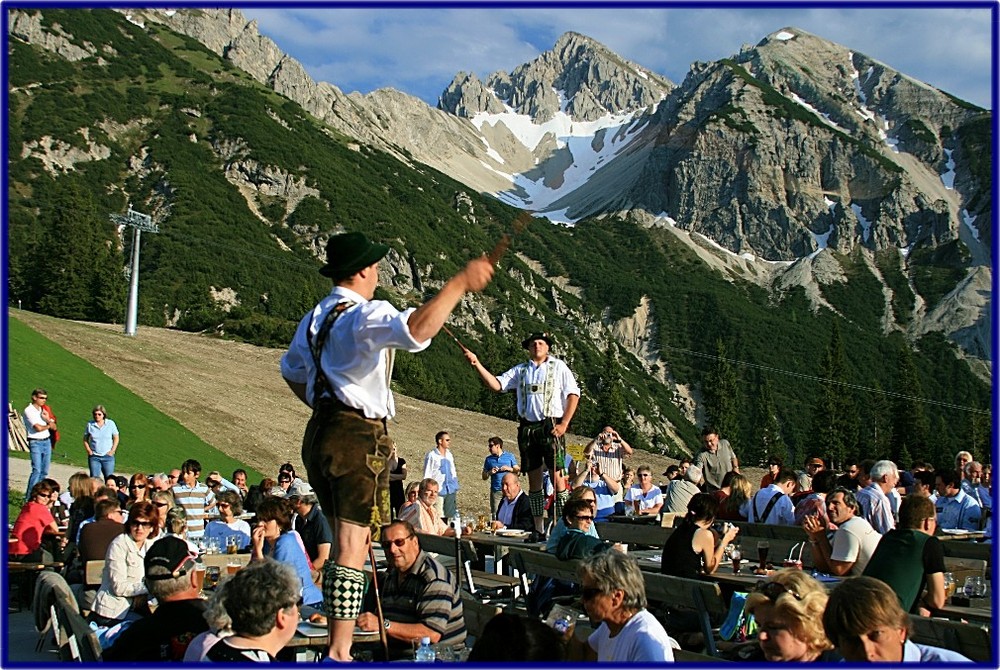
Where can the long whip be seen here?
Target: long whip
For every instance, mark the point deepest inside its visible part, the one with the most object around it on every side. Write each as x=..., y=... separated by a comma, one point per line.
x=520, y=223
x=378, y=601
x=499, y=249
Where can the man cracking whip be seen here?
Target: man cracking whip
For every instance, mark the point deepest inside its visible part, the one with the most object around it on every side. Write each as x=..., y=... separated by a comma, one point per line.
x=340, y=363
x=547, y=396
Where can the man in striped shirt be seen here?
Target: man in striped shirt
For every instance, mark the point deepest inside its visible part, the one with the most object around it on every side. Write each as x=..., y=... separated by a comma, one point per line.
x=419, y=596
x=195, y=498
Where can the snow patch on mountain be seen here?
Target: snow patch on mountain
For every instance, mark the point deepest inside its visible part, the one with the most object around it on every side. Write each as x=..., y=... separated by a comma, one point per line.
x=866, y=225
x=948, y=177
x=589, y=145
x=822, y=115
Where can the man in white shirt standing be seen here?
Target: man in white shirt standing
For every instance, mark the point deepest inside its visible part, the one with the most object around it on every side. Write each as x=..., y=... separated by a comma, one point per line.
x=547, y=397
x=39, y=423
x=339, y=363
x=773, y=504
x=439, y=465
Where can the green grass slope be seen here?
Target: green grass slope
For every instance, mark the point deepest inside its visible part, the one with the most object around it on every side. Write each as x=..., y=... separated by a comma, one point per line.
x=151, y=441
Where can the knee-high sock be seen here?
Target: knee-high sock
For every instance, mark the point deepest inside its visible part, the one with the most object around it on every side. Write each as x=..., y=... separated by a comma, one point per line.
x=343, y=591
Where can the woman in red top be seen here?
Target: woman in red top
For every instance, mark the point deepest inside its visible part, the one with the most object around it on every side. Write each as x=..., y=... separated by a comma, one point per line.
x=32, y=525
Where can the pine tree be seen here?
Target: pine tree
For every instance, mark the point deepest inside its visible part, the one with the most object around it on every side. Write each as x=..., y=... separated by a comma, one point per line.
x=765, y=440
x=611, y=406
x=722, y=397
x=835, y=414
x=79, y=265
x=909, y=423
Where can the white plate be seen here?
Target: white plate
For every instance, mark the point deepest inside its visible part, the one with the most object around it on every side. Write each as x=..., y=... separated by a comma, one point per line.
x=512, y=532
x=315, y=625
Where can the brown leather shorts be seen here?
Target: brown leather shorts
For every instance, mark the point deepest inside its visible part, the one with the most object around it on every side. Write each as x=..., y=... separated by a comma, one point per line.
x=345, y=455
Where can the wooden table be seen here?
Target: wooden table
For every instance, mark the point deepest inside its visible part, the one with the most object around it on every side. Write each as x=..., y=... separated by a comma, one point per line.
x=970, y=536
x=649, y=560
x=499, y=545
x=301, y=640
x=980, y=610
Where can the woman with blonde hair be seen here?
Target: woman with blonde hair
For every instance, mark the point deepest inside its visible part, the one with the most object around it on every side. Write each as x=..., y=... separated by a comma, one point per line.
x=412, y=491
x=788, y=609
x=737, y=488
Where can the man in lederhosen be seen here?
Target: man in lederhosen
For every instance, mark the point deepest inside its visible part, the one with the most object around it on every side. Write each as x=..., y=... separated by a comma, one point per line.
x=547, y=396
x=339, y=364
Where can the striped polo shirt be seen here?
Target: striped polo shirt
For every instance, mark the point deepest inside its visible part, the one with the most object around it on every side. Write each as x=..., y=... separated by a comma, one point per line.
x=427, y=594
x=194, y=499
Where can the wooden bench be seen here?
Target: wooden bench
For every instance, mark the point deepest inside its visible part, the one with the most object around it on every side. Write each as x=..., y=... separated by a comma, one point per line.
x=534, y=562
x=964, y=567
x=969, y=640
x=702, y=597
x=477, y=615
x=634, y=534
x=963, y=549
x=461, y=555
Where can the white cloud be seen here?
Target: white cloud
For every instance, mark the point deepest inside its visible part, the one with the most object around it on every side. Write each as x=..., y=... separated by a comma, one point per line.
x=420, y=50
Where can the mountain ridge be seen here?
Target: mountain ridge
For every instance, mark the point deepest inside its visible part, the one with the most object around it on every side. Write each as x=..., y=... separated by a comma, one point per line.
x=633, y=295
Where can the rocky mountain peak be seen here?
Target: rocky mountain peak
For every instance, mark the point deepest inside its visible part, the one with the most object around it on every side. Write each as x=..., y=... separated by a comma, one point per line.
x=578, y=76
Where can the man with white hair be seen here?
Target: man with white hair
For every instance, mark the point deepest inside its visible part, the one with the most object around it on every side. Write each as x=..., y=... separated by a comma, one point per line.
x=971, y=482
x=873, y=499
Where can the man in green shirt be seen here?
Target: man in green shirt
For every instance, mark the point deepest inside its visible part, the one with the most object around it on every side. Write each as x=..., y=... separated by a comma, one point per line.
x=909, y=557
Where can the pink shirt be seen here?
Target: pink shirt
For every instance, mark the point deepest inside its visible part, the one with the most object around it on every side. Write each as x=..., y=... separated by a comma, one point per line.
x=423, y=519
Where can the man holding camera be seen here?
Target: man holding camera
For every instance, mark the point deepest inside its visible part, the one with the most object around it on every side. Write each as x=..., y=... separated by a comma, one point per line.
x=603, y=470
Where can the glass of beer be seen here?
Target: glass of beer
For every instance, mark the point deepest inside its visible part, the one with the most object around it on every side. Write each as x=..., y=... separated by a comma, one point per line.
x=232, y=544
x=737, y=556
x=199, y=576
x=233, y=566
x=762, y=549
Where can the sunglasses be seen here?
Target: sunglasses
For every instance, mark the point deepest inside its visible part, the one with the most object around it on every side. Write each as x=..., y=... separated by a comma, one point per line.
x=398, y=542
x=137, y=486
x=645, y=474
x=142, y=524
x=590, y=592
x=226, y=505
x=774, y=590
x=161, y=504
x=582, y=517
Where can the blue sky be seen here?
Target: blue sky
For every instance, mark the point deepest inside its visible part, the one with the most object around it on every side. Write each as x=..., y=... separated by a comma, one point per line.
x=419, y=50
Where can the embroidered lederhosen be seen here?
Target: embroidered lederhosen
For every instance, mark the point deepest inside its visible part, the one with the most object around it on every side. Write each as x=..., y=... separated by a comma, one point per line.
x=322, y=458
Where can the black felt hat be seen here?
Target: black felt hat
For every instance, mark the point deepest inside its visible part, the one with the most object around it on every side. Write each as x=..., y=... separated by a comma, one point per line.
x=547, y=337
x=349, y=252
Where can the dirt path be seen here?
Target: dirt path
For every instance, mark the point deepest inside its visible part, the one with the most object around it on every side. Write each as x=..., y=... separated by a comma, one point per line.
x=232, y=396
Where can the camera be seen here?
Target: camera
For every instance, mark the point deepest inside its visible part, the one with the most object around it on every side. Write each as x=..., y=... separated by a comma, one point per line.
x=721, y=527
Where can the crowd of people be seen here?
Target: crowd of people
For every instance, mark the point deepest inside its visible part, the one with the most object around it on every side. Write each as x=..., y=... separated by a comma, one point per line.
x=339, y=364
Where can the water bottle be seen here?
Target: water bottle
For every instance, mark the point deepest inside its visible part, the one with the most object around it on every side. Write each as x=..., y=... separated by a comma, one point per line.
x=456, y=523
x=425, y=654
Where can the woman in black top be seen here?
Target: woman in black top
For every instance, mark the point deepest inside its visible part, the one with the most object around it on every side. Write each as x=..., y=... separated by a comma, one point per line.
x=691, y=549
x=397, y=474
